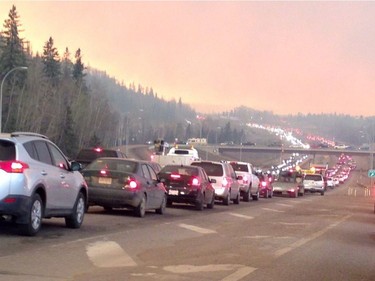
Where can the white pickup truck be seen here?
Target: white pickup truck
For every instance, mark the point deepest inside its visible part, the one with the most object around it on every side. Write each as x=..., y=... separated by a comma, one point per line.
x=180, y=155
x=249, y=182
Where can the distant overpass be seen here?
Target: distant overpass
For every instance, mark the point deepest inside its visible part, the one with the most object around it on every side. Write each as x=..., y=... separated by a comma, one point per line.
x=310, y=151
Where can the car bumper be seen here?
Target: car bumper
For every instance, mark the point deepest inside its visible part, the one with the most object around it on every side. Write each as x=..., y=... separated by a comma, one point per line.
x=114, y=198
x=16, y=206
x=183, y=196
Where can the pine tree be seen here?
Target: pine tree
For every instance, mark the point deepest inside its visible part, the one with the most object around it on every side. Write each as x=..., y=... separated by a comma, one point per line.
x=78, y=67
x=12, y=51
x=51, y=61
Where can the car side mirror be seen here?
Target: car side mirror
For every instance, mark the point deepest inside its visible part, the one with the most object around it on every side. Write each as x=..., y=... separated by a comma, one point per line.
x=75, y=166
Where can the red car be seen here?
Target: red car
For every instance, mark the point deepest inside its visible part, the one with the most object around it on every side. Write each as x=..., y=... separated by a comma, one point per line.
x=265, y=186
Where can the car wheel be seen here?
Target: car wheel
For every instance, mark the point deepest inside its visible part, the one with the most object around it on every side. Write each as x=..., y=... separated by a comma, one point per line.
x=163, y=206
x=169, y=203
x=140, y=211
x=34, y=219
x=76, y=218
x=212, y=204
x=246, y=196
x=256, y=196
x=199, y=203
x=226, y=200
x=271, y=194
x=237, y=200
x=266, y=194
x=296, y=194
x=322, y=193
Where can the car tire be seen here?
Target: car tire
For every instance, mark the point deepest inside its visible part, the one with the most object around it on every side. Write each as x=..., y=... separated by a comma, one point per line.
x=34, y=217
x=322, y=193
x=226, y=200
x=212, y=204
x=266, y=194
x=237, y=200
x=140, y=210
x=256, y=196
x=199, y=203
x=75, y=220
x=246, y=195
x=163, y=206
x=270, y=195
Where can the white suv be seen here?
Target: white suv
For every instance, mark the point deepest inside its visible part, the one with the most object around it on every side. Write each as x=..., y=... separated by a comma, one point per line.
x=37, y=181
x=314, y=183
x=227, y=187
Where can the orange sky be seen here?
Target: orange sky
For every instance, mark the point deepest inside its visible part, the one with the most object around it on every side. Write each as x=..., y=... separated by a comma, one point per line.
x=285, y=57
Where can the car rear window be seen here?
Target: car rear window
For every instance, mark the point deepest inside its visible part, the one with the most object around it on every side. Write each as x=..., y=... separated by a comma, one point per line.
x=184, y=171
x=212, y=169
x=7, y=150
x=313, y=177
x=239, y=167
x=89, y=155
x=113, y=165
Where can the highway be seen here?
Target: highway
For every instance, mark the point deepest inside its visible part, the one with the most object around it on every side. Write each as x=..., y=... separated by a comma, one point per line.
x=313, y=237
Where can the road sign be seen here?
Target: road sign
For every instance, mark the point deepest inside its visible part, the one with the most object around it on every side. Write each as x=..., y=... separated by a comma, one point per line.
x=371, y=173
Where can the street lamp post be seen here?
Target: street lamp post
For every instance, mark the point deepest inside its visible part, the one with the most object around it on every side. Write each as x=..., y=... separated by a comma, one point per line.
x=1, y=90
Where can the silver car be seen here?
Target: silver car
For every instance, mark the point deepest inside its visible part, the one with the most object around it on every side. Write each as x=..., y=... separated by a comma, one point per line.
x=227, y=187
x=37, y=181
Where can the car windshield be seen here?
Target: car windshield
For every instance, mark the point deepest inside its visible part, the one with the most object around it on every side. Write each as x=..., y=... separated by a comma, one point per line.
x=113, y=165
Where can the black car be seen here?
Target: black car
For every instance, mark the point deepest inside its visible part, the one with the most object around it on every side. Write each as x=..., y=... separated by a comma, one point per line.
x=188, y=184
x=86, y=155
x=125, y=183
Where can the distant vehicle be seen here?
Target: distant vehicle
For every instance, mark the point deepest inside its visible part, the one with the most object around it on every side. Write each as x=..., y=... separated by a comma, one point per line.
x=314, y=183
x=249, y=182
x=197, y=141
x=188, y=184
x=38, y=181
x=86, y=155
x=265, y=186
x=124, y=183
x=290, y=184
x=226, y=185
x=248, y=143
x=341, y=146
x=330, y=182
x=179, y=154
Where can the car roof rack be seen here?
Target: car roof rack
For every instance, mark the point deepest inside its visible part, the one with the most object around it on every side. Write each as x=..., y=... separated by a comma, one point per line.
x=30, y=134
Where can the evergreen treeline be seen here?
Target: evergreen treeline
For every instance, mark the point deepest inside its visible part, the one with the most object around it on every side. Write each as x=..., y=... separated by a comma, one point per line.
x=77, y=106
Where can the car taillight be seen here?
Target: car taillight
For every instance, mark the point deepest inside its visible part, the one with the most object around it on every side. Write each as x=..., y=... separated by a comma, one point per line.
x=195, y=182
x=245, y=179
x=98, y=149
x=131, y=183
x=264, y=184
x=224, y=182
x=103, y=172
x=13, y=166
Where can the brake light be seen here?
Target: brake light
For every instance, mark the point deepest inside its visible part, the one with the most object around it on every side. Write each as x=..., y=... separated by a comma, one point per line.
x=103, y=172
x=195, y=182
x=245, y=179
x=131, y=183
x=9, y=200
x=224, y=182
x=264, y=184
x=13, y=166
x=175, y=176
x=98, y=149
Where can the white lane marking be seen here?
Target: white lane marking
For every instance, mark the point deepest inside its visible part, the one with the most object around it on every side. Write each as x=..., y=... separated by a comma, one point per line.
x=108, y=254
x=285, y=205
x=241, y=216
x=257, y=237
x=273, y=210
x=313, y=236
x=239, y=274
x=293, y=223
x=196, y=228
x=241, y=271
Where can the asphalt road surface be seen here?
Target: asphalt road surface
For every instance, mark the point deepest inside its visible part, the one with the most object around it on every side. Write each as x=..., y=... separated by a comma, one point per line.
x=313, y=237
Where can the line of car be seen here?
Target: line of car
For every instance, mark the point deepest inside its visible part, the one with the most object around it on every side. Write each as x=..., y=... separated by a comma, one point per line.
x=38, y=181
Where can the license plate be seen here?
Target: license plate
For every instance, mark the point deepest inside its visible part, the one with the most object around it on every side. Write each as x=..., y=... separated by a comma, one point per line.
x=173, y=192
x=105, y=180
